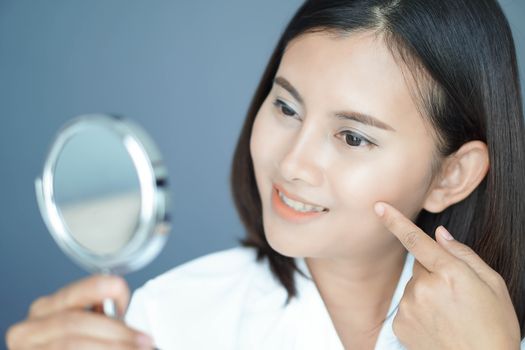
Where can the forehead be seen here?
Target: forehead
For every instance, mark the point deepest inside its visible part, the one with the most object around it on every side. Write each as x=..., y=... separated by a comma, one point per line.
x=355, y=71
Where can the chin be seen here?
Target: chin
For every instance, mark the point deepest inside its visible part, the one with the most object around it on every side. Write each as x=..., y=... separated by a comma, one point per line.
x=285, y=247
x=289, y=246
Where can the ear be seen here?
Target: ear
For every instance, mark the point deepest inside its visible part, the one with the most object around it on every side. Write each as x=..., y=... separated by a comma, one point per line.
x=459, y=175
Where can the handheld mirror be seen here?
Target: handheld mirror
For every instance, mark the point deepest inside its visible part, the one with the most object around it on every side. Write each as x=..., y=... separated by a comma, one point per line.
x=103, y=195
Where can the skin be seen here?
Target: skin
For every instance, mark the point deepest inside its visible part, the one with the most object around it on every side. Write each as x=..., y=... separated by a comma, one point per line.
x=454, y=299
x=348, y=250
x=297, y=143
x=352, y=253
x=61, y=321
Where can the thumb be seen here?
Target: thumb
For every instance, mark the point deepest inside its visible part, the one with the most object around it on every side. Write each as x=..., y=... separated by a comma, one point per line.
x=461, y=251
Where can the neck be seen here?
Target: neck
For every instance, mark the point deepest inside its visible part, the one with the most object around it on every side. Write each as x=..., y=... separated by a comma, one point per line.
x=357, y=291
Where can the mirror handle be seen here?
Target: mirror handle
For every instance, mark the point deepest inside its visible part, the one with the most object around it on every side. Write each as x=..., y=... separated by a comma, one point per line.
x=110, y=308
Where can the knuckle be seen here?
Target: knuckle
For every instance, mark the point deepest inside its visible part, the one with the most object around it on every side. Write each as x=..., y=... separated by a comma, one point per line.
x=435, y=265
x=451, y=273
x=111, y=284
x=449, y=267
x=402, y=323
x=65, y=297
x=403, y=308
x=408, y=287
x=67, y=321
x=498, y=281
x=410, y=239
x=457, y=268
x=37, y=305
x=397, y=325
x=66, y=343
x=13, y=335
x=464, y=251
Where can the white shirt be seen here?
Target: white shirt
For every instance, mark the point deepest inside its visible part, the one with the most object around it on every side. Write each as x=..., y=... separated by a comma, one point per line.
x=228, y=300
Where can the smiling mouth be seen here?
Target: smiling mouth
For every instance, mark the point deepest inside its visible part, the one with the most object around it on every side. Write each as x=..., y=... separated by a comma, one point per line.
x=300, y=206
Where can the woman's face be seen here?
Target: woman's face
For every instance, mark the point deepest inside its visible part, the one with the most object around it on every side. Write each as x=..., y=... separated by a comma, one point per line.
x=302, y=144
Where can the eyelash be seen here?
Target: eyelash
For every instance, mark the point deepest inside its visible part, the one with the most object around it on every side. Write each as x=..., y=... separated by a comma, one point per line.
x=280, y=105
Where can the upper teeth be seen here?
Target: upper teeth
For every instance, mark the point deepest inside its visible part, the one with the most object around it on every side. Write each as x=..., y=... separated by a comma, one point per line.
x=299, y=206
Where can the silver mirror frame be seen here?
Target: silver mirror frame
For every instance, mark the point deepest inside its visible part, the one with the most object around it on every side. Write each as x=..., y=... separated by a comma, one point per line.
x=154, y=223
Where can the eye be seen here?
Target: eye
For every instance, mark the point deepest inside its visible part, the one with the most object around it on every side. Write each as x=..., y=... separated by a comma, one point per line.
x=355, y=140
x=284, y=108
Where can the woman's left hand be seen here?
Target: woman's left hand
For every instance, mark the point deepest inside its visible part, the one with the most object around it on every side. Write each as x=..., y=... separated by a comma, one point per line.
x=454, y=300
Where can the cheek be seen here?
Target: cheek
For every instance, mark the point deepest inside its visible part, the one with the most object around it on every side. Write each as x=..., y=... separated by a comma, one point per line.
x=266, y=142
x=359, y=184
x=262, y=150
x=397, y=176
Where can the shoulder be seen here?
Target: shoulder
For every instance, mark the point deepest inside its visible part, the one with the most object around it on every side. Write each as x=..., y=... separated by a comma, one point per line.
x=211, y=269
x=218, y=292
x=230, y=276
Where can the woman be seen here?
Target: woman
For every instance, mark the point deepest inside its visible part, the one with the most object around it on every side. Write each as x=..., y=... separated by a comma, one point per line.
x=375, y=124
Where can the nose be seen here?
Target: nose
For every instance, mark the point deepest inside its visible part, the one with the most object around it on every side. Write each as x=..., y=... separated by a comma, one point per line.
x=302, y=159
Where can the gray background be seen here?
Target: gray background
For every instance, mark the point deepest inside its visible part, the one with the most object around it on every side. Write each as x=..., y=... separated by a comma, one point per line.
x=185, y=70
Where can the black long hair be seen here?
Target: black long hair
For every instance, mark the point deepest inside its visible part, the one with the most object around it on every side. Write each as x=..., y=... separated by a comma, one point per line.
x=462, y=54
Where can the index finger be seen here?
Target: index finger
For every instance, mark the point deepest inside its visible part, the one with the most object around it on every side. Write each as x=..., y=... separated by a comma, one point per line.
x=82, y=294
x=427, y=251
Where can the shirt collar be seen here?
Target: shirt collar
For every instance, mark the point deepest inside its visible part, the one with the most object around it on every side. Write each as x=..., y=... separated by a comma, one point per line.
x=386, y=339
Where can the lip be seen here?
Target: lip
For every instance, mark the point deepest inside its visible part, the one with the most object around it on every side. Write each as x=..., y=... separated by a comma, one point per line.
x=296, y=198
x=290, y=214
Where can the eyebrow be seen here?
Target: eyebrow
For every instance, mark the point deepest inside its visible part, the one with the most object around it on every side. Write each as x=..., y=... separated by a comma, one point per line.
x=344, y=115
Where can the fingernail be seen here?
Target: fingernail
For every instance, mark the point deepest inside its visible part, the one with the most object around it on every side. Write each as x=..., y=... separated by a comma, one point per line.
x=144, y=340
x=445, y=234
x=379, y=208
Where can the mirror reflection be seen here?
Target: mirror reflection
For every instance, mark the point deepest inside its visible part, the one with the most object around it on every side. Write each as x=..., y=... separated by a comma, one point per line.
x=98, y=192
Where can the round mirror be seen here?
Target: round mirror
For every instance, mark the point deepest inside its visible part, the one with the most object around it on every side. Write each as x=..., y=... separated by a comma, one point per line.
x=103, y=194
x=97, y=191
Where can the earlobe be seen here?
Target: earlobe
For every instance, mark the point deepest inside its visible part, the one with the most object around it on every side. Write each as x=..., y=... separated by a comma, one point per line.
x=458, y=177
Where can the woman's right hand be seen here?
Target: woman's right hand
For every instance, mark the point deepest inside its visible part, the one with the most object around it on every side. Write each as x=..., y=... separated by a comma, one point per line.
x=63, y=320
